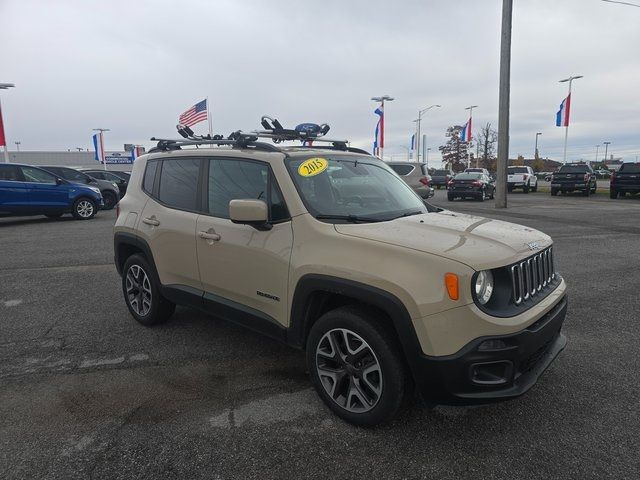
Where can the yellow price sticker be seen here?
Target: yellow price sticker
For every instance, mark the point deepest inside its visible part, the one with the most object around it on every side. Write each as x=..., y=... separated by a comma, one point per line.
x=312, y=166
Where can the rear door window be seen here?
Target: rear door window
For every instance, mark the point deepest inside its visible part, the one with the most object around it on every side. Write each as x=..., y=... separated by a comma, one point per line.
x=401, y=169
x=10, y=173
x=179, y=183
x=630, y=168
x=36, y=175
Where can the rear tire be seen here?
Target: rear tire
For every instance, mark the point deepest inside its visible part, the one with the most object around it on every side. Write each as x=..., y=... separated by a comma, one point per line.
x=110, y=200
x=509, y=189
x=613, y=194
x=535, y=189
x=450, y=197
x=525, y=189
x=587, y=191
x=142, y=294
x=84, y=209
x=554, y=192
x=356, y=366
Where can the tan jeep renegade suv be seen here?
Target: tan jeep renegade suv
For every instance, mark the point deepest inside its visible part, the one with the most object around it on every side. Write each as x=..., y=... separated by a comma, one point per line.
x=328, y=250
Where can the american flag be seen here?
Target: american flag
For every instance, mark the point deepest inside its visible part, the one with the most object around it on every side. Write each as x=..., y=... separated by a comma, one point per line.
x=195, y=114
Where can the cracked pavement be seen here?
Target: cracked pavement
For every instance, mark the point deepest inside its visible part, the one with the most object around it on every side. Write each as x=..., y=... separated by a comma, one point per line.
x=86, y=392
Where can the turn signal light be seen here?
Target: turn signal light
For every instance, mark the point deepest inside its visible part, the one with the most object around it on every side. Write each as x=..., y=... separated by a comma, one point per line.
x=451, y=282
x=424, y=181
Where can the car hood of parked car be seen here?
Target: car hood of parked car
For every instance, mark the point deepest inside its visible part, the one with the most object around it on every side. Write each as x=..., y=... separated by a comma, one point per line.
x=480, y=243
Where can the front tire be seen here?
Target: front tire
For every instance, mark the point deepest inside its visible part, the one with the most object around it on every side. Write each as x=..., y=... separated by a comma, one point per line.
x=526, y=188
x=84, y=209
x=142, y=292
x=355, y=366
x=110, y=200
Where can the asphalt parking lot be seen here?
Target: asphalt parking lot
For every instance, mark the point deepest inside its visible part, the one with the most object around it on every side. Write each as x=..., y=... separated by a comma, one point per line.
x=85, y=392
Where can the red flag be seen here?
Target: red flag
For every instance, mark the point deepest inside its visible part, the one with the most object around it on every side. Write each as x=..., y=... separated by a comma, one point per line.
x=3, y=142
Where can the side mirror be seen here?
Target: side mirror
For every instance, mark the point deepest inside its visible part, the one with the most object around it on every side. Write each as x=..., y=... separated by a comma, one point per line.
x=250, y=212
x=59, y=181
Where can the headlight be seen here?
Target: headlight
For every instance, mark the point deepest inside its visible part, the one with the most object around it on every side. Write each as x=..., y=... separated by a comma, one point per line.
x=484, y=286
x=95, y=189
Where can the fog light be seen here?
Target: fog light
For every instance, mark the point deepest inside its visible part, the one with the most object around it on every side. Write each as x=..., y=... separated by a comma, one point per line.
x=493, y=344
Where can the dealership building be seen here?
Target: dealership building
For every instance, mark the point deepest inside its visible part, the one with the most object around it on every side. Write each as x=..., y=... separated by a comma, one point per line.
x=115, y=160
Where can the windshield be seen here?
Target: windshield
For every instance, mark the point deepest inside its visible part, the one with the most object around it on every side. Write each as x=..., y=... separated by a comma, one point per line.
x=573, y=169
x=468, y=176
x=352, y=189
x=518, y=170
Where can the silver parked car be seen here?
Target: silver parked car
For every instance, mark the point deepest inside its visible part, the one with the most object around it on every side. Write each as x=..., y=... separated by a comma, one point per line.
x=415, y=175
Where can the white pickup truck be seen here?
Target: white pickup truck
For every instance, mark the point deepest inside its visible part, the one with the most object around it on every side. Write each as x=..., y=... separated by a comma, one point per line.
x=521, y=177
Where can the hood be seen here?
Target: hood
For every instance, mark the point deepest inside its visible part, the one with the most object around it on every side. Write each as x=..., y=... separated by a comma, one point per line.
x=478, y=242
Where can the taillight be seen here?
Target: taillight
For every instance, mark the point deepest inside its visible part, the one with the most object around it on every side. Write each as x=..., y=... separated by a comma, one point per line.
x=586, y=177
x=477, y=183
x=424, y=181
x=525, y=176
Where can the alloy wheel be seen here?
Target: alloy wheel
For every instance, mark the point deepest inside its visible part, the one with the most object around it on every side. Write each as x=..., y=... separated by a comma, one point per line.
x=84, y=209
x=138, y=290
x=349, y=370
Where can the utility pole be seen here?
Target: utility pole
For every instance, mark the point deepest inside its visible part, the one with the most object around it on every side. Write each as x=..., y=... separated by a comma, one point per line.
x=418, y=137
x=536, y=156
x=606, y=149
x=17, y=145
x=597, y=148
x=424, y=146
x=503, y=105
x=568, y=107
x=428, y=150
x=382, y=99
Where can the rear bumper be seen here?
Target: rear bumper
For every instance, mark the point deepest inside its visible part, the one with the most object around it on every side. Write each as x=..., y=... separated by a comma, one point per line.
x=507, y=369
x=625, y=188
x=570, y=186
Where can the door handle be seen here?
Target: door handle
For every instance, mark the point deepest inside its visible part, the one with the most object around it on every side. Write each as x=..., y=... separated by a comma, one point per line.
x=209, y=236
x=151, y=221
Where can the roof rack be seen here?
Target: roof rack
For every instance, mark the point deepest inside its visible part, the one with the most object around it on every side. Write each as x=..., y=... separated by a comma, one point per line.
x=307, y=133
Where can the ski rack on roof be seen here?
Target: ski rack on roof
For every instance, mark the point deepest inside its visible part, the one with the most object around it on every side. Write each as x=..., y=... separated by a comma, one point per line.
x=307, y=133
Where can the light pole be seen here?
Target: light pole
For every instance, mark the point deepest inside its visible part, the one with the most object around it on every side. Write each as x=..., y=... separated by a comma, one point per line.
x=597, y=148
x=4, y=86
x=503, y=105
x=428, y=150
x=606, y=149
x=470, y=108
x=17, y=145
x=101, y=146
x=568, y=107
x=418, y=137
x=382, y=99
x=536, y=150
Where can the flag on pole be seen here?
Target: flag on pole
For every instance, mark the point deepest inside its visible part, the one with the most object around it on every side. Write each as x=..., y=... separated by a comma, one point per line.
x=562, y=117
x=465, y=133
x=413, y=141
x=195, y=114
x=3, y=141
x=98, y=145
x=135, y=152
x=378, y=142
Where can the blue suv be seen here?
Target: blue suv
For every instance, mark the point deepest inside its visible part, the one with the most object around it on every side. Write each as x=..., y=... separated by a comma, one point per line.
x=27, y=190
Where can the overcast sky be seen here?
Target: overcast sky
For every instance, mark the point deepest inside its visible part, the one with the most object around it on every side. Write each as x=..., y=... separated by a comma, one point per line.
x=134, y=66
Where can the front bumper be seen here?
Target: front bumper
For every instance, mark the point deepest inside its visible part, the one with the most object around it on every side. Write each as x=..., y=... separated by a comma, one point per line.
x=506, y=370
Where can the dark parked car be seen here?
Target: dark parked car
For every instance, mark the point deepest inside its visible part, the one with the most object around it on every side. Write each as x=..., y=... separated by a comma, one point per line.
x=572, y=177
x=471, y=185
x=441, y=178
x=415, y=175
x=110, y=191
x=27, y=190
x=110, y=176
x=625, y=180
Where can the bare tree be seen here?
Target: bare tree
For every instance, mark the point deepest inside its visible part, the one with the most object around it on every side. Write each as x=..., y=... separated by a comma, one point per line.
x=487, y=138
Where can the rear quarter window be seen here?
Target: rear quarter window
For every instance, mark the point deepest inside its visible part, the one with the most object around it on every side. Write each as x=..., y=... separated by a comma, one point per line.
x=150, y=176
x=402, y=169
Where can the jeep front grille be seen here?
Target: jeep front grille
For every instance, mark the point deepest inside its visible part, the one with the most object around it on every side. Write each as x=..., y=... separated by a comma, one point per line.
x=530, y=276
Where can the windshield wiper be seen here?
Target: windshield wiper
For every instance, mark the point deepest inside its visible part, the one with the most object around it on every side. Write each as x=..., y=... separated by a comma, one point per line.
x=407, y=214
x=349, y=218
